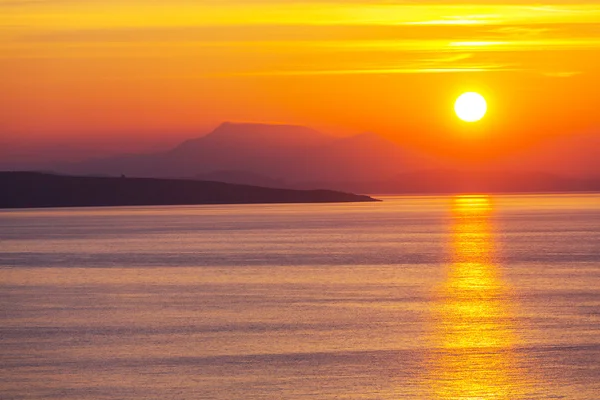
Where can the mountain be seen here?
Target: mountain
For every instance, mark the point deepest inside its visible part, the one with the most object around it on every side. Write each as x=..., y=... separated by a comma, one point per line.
x=299, y=157
x=280, y=152
x=31, y=189
x=255, y=148
x=243, y=136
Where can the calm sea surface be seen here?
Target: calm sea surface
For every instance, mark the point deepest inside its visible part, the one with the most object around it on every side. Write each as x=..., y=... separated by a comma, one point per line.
x=469, y=297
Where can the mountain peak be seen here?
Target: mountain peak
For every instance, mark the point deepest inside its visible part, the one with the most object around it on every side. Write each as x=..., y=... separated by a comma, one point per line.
x=256, y=127
x=268, y=134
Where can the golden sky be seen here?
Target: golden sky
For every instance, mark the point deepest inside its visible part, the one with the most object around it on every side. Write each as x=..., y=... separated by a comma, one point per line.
x=85, y=68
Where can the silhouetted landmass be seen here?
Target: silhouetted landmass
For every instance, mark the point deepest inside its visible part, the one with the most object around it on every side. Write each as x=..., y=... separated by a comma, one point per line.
x=32, y=190
x=291, y=156
x=277, y=152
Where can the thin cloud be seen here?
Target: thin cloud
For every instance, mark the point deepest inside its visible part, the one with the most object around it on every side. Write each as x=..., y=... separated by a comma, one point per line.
x=375, y=71
x=563, y=74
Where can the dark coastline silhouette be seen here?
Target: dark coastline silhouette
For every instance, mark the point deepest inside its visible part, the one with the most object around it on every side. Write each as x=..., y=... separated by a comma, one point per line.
x=34, y=189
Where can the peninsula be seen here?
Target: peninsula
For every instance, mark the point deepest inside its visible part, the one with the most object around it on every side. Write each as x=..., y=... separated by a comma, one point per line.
x=35, y=189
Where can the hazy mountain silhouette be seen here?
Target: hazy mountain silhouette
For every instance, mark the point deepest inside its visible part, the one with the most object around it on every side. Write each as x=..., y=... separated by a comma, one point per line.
x=241, y=136
x=285, y=152
x=299, y=157
x=31, y=189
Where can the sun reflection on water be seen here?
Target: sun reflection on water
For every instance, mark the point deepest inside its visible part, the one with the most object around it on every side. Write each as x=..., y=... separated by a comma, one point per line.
x=474, y=328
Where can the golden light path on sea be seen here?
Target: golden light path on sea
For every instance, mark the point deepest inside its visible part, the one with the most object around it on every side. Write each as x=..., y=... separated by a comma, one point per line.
x=474, y=329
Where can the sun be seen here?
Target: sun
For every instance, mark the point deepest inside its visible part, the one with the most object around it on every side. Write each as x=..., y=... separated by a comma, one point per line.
x=470, y=107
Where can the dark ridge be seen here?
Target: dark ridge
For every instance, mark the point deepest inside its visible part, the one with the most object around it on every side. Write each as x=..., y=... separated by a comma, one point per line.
x=35, y=189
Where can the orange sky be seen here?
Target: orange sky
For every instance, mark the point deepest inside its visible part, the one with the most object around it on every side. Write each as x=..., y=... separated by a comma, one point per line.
x=87, y=68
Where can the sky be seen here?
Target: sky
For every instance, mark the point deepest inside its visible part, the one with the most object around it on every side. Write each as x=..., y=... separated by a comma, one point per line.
x=146, y=71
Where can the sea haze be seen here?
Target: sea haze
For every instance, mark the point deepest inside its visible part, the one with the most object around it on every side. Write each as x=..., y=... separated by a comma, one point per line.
x=412, y=298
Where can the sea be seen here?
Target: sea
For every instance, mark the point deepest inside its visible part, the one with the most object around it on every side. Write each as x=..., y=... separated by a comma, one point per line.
x=417, y=297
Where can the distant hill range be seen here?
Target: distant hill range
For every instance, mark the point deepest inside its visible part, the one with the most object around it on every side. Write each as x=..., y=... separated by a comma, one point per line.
x=280, y=152
x=298, y=157
x=32, y=189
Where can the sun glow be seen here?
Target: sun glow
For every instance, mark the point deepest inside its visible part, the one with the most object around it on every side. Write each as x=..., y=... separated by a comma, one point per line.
x=470, y=107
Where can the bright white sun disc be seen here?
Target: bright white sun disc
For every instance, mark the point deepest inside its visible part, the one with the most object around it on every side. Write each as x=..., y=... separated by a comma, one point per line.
x=470, y=107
